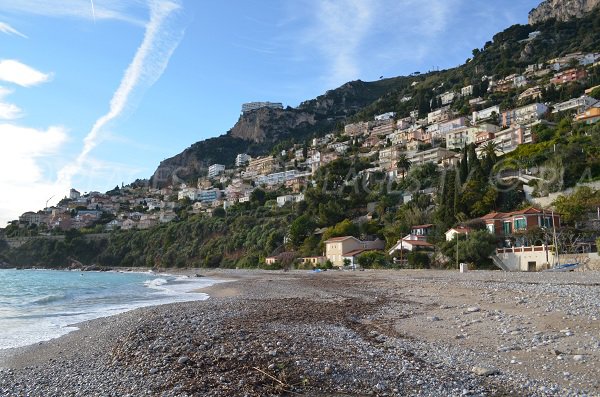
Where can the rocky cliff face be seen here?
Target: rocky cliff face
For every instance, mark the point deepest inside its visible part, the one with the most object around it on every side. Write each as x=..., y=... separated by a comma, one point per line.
x=563, y=10
x=270, y=124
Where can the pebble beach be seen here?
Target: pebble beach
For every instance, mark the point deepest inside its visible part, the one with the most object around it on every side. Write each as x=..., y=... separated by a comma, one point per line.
x=367, y=333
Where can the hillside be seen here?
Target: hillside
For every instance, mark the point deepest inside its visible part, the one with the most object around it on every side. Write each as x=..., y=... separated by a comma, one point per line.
x=257, y=133
x=391, y=154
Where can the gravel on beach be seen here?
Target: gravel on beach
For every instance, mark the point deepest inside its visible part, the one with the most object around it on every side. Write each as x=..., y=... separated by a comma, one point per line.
x=371, y=333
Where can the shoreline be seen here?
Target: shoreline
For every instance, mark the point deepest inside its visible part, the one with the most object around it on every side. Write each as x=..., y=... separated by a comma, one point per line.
x=337, y=333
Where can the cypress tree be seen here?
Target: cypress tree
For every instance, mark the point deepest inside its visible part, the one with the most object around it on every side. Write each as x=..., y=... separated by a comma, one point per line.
x=464, y=167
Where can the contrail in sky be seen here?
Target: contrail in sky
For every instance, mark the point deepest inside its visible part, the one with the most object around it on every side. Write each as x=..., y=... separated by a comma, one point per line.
x=93, y=11
x=148, y=64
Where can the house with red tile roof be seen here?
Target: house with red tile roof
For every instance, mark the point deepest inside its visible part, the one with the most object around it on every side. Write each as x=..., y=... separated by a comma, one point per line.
x=503, y=224
x=457, y=230
x=415, y=241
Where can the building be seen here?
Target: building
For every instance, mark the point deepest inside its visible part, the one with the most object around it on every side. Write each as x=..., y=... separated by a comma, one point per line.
x=503, y=224
x=415, y=241
x=569, y=76
x=434, y=156
x=466, y=91
x=386, y=127
x=289, y=198
x=74, y=194
x=242, y=159
x=577, y=104
x=215, y=170
x=187, y=192
x=340, y=248
x=590, y=116
x=457, y=231
x=508, y=139
x=450, y=125
x=208, y=195
x=277, y=178
x=447, y=97
x=524, y=115
x=385, y=116
x=486, y=114
x=33, y=218
x=315, y=261
x=262, y=166
x=459, y=138
x=356, y=129
x=531, y=94
x=440, y=115
x=250, y=106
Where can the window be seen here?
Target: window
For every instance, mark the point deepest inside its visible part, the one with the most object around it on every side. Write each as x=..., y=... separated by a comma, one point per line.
x=491, y=228
x=520, y=224
x=507, y=227
x=547, y=222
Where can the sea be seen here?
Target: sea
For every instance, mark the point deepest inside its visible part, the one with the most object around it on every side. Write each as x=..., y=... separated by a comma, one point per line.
x=39, y=305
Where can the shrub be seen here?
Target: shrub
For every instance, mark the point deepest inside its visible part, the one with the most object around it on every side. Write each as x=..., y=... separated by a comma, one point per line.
x=419, y=260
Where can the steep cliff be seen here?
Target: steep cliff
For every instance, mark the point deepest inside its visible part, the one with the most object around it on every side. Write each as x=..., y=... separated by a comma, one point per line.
x=270, y=124
x=563, y=10
x=257, y=132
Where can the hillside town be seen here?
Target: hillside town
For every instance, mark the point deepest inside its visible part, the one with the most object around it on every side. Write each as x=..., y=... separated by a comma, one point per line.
x=391, y=143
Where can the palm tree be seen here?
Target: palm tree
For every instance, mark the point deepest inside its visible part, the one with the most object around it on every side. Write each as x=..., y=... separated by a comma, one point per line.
x=404, y=164
x=489, y=150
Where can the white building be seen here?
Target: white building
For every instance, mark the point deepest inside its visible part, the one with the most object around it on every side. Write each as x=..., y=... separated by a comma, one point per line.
x=289, y=198
x=277, y=178
x=215, y=170
x=447, y=97
x=448, y=126
x=385, y=116
x=486, y=113
x=242, y=159
x=250, y=106
x=466, y=91
x=580, y=104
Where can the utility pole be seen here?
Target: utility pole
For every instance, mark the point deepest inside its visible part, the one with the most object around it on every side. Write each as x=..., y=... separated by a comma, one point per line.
x=457, y=235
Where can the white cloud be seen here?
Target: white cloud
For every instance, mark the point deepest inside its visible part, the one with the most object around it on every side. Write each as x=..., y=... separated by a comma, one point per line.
x=80, y=9
x=359, y=37
x=149, y=62
x=7, y=29
x=27, y=159
x=15, y=72
x=8, y=111
x=339, y=31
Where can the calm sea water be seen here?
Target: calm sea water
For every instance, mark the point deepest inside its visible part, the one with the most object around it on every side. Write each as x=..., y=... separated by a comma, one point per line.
x=38, y=305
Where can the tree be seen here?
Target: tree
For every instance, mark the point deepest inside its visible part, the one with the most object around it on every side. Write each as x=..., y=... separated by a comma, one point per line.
x=463, y=167
x=574, y=207
x=344, y=228
x=258, y=196
x=403, y=164
x=219, y=212
x=419, y=260
x=476, y=247
x=373, y=260
x=301, y=228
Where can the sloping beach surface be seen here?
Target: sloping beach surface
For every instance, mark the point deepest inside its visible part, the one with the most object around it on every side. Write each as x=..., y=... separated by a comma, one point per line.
x=394, y=333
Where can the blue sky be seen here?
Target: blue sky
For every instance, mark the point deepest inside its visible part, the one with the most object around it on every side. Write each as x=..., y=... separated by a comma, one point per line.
x=97, y=92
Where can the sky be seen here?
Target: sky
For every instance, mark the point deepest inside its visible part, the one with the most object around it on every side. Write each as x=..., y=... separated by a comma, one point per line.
x=94, y=93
